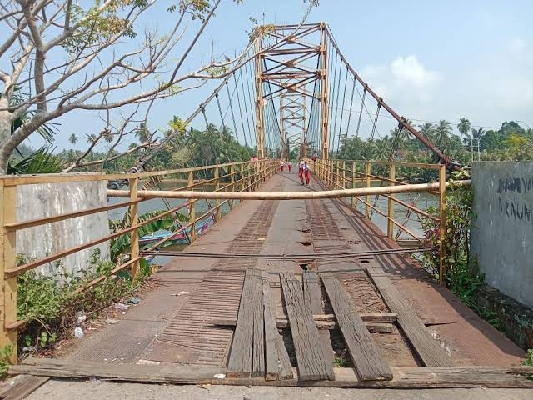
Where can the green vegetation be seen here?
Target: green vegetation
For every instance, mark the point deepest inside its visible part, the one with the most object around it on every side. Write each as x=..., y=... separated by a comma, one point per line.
x=5, y=353
x=528, y=362
x=49, y=304
x=511, y=142
x=215, y=145
x=339, y=362
x=463, y=276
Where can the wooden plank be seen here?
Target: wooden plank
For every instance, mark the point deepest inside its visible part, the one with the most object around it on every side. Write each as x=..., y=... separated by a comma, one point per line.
x=366, y=317
x=240, y=358
x=312, y=364
x=312, y=292
x=313, y=299
x=258, y=353
x=281, y=322
x=366, y=355
x=278, y=364
x=25, y=385
x=427, y=348
x=404, y=377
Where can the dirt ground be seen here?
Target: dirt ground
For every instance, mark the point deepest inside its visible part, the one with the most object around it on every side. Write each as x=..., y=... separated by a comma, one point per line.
x=98, y=390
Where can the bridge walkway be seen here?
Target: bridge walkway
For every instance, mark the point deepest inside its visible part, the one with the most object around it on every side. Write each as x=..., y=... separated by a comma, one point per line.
x=171, y=323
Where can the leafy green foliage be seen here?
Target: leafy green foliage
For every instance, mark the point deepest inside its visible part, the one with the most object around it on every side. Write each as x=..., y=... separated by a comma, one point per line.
x=339, y=362
x=463, y=276
x=528, y=362
x=5, y=353
x=42, y=161
x=97, y=24
x=49, y=303
x=122, y=243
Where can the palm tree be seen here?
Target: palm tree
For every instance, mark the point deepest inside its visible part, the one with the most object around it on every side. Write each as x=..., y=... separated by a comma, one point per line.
x=428, y=130
x=464, y=126
x=442, y=132
x=73, y=139
x=476, y=135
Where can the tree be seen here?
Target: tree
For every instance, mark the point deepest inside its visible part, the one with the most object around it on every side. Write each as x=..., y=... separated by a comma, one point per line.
x=76, y=57
x=464, y=126
x=73, y=139
x=442, y=132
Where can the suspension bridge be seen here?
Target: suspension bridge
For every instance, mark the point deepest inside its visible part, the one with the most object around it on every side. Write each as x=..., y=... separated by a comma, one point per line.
x=281, y=283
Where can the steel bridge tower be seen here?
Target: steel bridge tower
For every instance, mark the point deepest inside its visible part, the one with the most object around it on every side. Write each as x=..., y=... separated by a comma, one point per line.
x=291, y=69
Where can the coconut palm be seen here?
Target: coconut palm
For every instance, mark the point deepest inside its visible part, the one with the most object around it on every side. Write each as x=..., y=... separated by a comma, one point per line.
x=442, y=132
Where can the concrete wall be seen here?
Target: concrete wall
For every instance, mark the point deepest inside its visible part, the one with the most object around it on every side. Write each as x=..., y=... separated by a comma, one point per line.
x=46, y=200
x=502, y=234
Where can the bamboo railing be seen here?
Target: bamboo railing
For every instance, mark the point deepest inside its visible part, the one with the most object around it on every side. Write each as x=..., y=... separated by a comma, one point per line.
x=348, y=174
x=229, y=177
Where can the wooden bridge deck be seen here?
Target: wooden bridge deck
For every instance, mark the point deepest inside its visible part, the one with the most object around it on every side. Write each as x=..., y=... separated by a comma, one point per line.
x=369, y=313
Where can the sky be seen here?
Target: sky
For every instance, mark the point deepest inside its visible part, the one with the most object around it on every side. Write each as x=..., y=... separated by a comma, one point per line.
x=429, y=60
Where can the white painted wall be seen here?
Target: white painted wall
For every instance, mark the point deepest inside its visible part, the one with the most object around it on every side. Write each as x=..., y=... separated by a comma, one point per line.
x=47, y=200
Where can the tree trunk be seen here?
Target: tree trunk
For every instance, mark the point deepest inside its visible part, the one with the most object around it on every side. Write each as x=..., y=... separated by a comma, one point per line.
x=5, y=134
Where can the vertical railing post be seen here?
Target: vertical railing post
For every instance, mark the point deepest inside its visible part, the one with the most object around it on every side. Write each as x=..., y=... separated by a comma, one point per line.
x=368, y=172
x=8, y=260
x=331, y=172
x=442, y=231
x=232, y=173
x=337, y=174
x=390, y=211
x=243, y=177
x=134, y=221
x=354, y=176
x=344, y=186
x=217, y=188
x=192, y=206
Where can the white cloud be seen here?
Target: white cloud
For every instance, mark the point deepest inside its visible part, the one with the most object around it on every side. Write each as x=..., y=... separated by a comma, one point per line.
x=410, y=71
x=491, y=88
x=404, y=81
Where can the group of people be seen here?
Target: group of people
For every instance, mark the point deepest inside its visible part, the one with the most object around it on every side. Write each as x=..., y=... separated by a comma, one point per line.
x=304, y=171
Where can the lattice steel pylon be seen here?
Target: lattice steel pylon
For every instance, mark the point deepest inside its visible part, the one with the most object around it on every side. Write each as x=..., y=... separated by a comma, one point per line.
x=291, y=70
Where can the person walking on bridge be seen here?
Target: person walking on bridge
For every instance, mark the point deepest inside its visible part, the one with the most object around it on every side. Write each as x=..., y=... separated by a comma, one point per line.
x=301, y=170
x=307, y=173
x=289, y=165
x=282, y=165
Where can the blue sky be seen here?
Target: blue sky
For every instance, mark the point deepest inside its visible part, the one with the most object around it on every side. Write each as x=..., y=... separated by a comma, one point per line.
x=429, y=60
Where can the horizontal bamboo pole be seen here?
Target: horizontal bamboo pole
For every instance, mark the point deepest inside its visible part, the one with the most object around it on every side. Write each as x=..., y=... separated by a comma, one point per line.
x=61, y=217
x=330, y=194
x=15, y=180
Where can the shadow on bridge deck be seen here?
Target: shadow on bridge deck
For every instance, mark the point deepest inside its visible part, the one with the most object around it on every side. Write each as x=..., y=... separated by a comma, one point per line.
x=169, y=325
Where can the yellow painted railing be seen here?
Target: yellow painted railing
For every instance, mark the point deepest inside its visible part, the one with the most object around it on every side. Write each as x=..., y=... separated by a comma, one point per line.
x=348, y=174
x=230, y=177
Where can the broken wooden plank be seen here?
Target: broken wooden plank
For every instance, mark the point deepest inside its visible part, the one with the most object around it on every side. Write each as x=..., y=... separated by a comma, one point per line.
x=404, y=377
x=312, y=364
x=282, y=322
x=366, y=355
x=313, y=299
x=240, y=358
x=25, y=385
x=278, y=364
x=258, y=354
x=428, y=349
